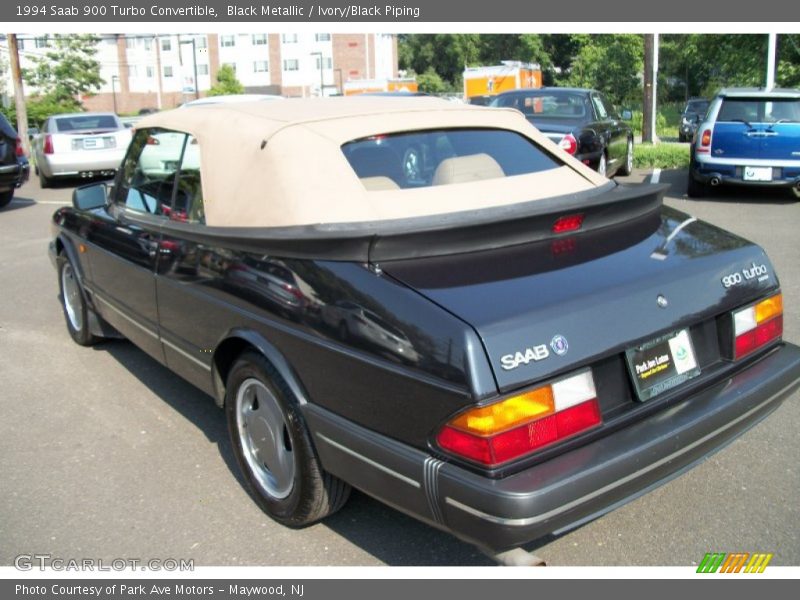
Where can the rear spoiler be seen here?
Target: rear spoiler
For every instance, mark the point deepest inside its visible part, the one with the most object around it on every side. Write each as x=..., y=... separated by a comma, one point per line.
x=454, y=233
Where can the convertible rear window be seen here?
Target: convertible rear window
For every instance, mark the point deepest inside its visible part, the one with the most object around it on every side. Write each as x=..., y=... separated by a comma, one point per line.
x=760, y=110
x=86, y=122
x=442, y=157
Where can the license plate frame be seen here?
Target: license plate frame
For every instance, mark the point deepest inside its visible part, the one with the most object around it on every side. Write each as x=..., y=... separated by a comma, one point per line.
x=757, y=173
x=662, y=364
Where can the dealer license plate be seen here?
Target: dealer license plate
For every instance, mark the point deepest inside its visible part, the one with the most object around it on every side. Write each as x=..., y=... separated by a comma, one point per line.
x=757, y=174
x=662, y=364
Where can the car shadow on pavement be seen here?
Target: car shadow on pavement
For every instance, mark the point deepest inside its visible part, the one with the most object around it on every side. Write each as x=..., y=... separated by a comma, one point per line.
x=383, y=532
x=17, y=203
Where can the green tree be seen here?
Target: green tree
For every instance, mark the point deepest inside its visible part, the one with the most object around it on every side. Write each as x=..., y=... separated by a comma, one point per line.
x=66, y=71
x=226, y=82
x=430, y=82
x=611, y=64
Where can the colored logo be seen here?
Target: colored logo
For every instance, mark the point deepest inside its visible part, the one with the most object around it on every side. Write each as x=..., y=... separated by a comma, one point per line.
x=735, y=562
x=681, y=353
x=559, y=345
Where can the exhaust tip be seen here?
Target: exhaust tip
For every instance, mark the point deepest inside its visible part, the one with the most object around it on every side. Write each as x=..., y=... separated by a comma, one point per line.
x=714, y=181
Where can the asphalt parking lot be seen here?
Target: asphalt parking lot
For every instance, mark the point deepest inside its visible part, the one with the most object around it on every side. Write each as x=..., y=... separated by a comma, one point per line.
x=105, y=454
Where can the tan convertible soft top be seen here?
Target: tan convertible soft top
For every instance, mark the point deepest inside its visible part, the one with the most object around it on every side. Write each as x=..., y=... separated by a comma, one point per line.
x=281, y=163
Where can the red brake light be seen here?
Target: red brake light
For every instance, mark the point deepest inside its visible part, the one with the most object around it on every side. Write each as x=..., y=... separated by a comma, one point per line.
x=48, y=144
x=20, y=149
x=705, y=141
x=522, y=424
x=568, y=223
x=757, y=325
x=569, y=144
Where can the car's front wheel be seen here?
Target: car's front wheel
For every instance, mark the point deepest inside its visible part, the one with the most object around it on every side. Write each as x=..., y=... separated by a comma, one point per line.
x=6, y=197
x=74, y=303
x=273, y=446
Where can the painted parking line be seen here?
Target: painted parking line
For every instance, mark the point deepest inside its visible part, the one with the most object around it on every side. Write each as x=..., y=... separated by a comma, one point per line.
x=656, y=176
x=53, y=202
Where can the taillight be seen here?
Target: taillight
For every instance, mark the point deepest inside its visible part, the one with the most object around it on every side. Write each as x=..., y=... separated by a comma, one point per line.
x=757, y=325
x=569, y=144
x=20, y=150
x=568, y=223
x=519, y=425
x=48, y=144
x=705, y=141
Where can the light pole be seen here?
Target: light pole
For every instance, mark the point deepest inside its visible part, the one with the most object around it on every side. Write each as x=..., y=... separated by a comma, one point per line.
x=321, y=74
x=194, y=64
x=114, y=79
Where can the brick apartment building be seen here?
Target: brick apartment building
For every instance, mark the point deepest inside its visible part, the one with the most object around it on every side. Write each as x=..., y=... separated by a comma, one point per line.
x=158, y=70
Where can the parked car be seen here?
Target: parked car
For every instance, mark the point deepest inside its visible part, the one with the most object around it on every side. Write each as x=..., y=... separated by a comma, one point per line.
x=80, y=145
x=14, y=168
x=692, y=114
x=571, y=342
x=583, y=122
x=750, y=136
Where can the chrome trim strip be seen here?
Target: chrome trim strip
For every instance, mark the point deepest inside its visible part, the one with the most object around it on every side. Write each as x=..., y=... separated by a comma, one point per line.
x=570, y=505
x=132, y=321
x=185, y=354
x=369, y=461
x=430, y=470
x=710, y=161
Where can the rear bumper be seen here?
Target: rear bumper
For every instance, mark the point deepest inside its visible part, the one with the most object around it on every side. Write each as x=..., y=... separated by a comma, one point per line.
x=75, y=163
x=13, y=176
x=785, y=173
x=565, y=491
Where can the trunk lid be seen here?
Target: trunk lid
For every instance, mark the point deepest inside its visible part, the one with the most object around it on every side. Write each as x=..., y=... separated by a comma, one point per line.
x=575, y=299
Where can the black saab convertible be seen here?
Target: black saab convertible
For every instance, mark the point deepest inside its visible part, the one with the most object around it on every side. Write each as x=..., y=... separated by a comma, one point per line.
x=503, y=343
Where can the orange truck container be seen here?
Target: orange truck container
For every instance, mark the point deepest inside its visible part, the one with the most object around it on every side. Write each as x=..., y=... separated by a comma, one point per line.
x=362, y=86
x=484, y=82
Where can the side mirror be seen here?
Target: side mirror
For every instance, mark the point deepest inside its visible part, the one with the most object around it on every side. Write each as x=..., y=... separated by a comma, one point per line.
x=627, y=115
x=87, y=197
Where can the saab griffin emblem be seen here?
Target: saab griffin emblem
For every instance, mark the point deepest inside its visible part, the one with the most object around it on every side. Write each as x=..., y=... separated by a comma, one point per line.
x=559, y=345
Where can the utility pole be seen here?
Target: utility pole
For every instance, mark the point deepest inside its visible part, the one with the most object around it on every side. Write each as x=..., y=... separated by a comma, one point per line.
x=19, y=94
x=773, y=41
x=650, y=74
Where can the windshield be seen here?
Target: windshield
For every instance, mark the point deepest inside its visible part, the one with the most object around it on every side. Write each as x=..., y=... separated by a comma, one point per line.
x=698, y=107
x=760, y=110
x=441, y=157
x=547, y=105
x=78, y=122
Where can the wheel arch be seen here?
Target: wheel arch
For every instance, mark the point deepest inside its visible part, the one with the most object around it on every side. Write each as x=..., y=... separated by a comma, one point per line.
x=237, y=341
x=64, y=244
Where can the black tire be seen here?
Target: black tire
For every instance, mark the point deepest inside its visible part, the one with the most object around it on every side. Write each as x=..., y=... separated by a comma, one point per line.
x=44, y=180
x=6, y=197
x=627, y=167
x=682, y=138
x=312, y=494
x=73, y=303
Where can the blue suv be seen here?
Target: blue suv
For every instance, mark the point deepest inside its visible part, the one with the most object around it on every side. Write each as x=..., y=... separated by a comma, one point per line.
x=750, y=136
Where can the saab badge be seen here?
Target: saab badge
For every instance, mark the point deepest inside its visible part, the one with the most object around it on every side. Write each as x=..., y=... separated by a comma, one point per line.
x=559, y=345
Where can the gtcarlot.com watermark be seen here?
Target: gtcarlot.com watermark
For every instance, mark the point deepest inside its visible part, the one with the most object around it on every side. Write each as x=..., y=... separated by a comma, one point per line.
x=42, y=562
